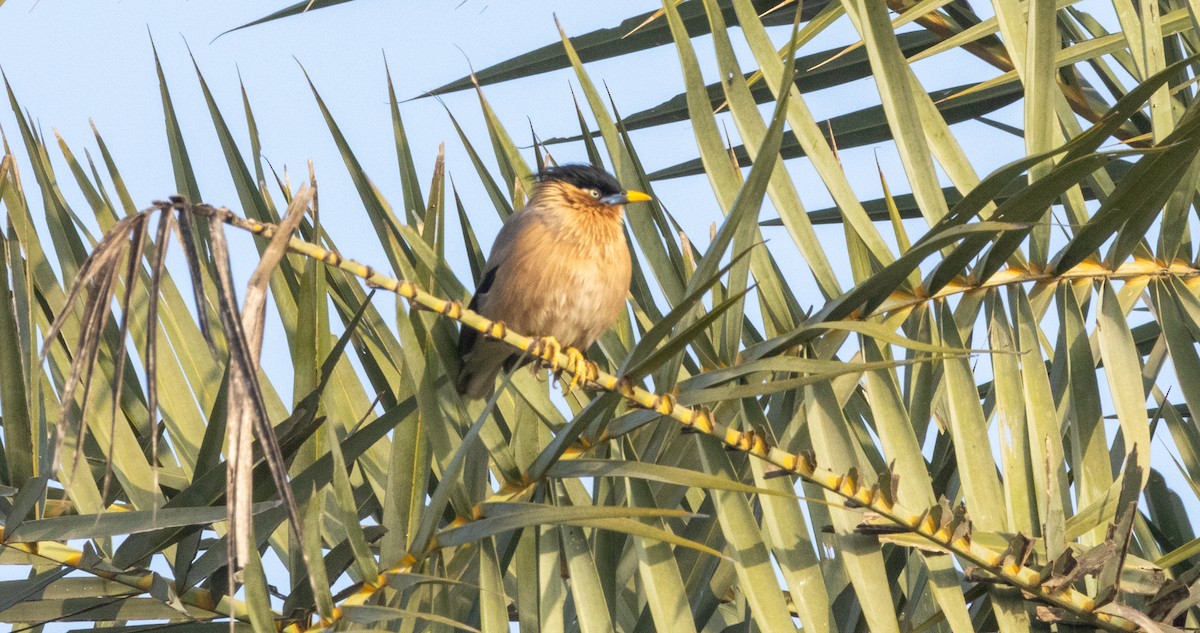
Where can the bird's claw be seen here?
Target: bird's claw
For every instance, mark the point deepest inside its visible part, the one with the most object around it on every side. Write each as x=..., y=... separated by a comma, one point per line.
x=582, y=370
x=546, y=349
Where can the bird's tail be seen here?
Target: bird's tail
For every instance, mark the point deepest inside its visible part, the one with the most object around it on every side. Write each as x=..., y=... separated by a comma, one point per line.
x=477, y=379
x=476, y=384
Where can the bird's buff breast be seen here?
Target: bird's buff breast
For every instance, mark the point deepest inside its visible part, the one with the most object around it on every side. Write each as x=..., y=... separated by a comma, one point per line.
x=571, y=286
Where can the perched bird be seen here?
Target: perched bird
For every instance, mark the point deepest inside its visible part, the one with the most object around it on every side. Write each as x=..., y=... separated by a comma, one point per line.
x=559, y=269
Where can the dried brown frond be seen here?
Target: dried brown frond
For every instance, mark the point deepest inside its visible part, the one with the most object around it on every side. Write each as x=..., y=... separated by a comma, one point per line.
x=98, y=276
x=192, y=255
x=247, y=409
x=90, y=299
x=137, y=243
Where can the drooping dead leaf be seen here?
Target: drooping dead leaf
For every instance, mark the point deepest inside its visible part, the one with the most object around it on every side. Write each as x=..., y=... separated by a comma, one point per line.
x=247, y=412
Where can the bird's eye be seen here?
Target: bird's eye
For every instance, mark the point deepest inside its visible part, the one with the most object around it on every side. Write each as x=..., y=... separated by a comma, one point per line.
x=595, y=193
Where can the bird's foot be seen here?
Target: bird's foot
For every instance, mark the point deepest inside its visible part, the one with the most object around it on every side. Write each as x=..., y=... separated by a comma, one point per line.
x=546, y=349
x=583, y=371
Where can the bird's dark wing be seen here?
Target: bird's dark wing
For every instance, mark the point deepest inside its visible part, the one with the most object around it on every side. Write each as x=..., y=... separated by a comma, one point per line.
x=468, y=335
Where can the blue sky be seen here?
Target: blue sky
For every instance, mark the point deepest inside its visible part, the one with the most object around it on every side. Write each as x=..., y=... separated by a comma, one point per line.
x=69, y=62
x=99, y=65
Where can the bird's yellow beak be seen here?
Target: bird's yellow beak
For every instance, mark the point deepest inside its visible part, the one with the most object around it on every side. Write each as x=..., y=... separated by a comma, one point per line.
x=625, y=197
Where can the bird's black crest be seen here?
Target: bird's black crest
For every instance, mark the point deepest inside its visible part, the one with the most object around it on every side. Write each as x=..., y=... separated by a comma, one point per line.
x=584, y=177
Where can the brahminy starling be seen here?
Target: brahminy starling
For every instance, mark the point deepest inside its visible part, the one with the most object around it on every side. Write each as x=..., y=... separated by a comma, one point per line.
x=559, y=270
